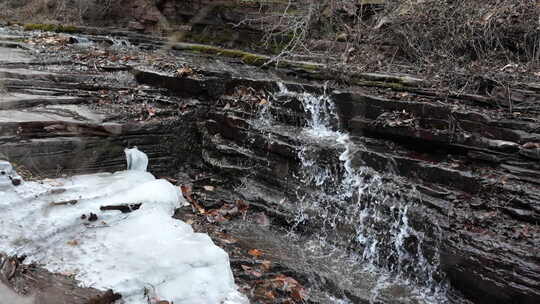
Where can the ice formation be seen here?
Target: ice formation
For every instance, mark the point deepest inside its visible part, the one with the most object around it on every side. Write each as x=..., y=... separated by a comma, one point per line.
x=136, y=160
x=8, y=176
x=58, y=223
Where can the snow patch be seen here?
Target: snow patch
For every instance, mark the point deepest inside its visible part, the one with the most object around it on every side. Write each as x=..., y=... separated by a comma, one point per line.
x=145, y=250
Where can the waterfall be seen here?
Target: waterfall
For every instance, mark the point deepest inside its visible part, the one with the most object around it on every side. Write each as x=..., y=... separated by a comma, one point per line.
x=355, y=205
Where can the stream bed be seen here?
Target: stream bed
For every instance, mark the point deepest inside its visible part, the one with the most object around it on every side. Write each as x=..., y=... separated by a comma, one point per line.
x=318, y=193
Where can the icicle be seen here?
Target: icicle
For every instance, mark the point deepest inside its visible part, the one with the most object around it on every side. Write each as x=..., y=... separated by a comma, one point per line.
x=136, y=160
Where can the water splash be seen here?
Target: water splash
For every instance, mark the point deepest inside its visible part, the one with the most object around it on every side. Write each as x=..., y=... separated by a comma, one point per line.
x=355, y=205
x=320, y=110
x=81, y=41
x=118, y=43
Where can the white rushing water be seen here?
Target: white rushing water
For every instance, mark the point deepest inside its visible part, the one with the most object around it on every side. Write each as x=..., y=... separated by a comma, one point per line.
x=375, y=214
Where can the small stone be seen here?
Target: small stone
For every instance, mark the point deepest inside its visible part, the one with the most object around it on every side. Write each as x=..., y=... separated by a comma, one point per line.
x=16, y=181
x=209, y=188
x=136, y=26
x=151, y=17
x=502, y=145
x=93, y=217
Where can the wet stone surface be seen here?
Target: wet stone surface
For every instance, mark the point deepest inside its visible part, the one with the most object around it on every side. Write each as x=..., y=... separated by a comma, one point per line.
x=450, y=179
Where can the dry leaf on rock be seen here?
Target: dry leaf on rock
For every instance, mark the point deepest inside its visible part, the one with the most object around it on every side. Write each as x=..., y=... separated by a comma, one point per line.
x=266, y=265
x=255, y=252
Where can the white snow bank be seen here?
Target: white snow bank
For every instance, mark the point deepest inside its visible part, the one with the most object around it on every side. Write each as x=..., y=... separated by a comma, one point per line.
x=127, y=252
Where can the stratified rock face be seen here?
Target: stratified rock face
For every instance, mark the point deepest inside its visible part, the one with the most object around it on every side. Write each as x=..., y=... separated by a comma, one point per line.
x=59, y=117
x=468, y=164
x=36, y=285
x=478, y=175
x=475, y=171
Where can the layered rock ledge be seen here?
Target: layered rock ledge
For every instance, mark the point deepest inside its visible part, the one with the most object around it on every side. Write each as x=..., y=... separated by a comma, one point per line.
x=472, y=159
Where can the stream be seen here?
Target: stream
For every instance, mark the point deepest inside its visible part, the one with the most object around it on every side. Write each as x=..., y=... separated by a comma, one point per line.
x=352, y=206
x=357, y=194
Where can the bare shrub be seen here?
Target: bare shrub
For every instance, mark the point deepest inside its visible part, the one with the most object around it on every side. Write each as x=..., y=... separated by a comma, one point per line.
x=324, y=29
x=464, y=31
x=63, y=11
x=420, y=32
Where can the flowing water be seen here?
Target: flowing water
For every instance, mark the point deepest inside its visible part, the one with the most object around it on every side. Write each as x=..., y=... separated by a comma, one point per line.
x=354, y=206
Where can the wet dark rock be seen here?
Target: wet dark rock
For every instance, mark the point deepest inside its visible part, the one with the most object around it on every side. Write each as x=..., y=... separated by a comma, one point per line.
x=124, y=208
x=64, y=129
x=136, y=26
x=107, y=298
x=16, y=181
x=478, y=165
x=34, y=282
x=474, y=171
x=479, y=269
x=92, y=217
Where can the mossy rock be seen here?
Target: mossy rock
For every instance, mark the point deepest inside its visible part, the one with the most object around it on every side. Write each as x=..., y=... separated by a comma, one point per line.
x=381, y=84
x=246, y=57
x=310, y=69
x=253, y=59
x=51, y=28
x=371, y=2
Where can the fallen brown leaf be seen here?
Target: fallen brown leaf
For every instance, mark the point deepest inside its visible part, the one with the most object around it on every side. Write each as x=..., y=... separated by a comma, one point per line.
x=266, y=265
x=298, y=293
x=249, y=270
x=183, y=72
x=285, y=283
x=242, y=205
x=531, y=145
x=213, y=216
x=186, y=192
x=227, y=239
x=73, y=243
x=270, y=295
x=169, y=179
x=255, y=252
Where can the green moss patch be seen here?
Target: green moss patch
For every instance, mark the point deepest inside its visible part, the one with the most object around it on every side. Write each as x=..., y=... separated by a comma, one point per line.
x=311, y=70
x=248, y=58
x=52, y=28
